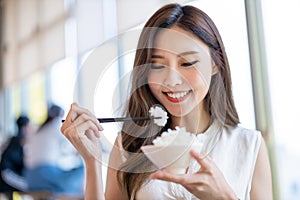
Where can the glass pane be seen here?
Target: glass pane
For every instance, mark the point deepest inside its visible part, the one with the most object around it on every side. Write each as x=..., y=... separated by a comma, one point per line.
x=36, y=98
x=233, y=30
x=62, y=82
x=282, y=30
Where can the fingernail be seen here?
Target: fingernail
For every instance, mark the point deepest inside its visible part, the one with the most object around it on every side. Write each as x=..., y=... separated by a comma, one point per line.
x=193, y=152
x=152, y=176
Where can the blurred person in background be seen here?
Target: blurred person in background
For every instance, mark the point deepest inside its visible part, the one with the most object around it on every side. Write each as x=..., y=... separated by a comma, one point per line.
x=12, y=163
x=52, y=162
x=1, y=140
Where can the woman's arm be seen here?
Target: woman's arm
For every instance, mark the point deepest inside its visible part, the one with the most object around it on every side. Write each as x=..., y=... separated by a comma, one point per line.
x=113, y=189
x=82, y=129
x=94, y=186
x=261, y=188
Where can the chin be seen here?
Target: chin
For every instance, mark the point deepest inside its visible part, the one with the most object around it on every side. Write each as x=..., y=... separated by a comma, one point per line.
x=180, y=111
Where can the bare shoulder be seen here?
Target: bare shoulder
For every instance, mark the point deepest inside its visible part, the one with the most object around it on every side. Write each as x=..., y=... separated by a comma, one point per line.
x=261, y=188
x=114, y=189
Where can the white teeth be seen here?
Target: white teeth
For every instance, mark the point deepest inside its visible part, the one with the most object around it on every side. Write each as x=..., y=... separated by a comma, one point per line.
x=177, y=95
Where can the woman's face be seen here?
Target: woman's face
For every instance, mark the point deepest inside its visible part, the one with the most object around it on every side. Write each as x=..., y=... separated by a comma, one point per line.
x=180, y=72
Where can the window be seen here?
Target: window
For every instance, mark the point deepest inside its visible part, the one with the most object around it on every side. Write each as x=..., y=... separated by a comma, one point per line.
x=282, y=32
x=233, y=30
x=63, y=75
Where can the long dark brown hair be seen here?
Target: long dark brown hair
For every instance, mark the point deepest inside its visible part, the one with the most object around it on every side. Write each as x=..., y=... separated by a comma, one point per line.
x=219, y=102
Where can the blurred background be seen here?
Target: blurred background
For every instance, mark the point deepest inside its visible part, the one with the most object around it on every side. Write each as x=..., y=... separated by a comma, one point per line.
x=48, y=49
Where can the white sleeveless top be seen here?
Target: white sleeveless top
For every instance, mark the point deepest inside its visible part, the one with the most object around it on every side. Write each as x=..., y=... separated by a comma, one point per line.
x=233, y=150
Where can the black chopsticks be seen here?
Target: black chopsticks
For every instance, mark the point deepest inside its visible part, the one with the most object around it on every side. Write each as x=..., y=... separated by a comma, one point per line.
x=123, y=119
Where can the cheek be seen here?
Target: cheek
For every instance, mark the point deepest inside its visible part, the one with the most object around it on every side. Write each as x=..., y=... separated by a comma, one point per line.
x=203, y=83
x=155, y=79
x=155, y=90
x=153, y=82
x=154, y=87
x=201, y=78
x=198, y=83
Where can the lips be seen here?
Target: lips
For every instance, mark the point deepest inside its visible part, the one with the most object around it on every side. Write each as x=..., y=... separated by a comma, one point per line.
x=176, y=96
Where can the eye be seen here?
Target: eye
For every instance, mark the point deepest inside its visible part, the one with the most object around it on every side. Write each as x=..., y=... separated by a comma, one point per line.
x=157, y=66
x=187, y=64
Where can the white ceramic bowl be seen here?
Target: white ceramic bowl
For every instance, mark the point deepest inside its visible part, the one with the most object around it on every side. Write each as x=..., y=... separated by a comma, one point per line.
x=173, y=158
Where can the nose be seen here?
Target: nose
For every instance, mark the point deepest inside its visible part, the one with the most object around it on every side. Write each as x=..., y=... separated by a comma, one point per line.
x=172, y=78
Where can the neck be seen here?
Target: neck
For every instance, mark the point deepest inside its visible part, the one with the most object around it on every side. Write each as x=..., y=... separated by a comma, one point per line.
x=197, y=121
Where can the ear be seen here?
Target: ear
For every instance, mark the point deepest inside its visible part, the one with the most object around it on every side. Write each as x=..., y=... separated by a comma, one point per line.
x=214, y=70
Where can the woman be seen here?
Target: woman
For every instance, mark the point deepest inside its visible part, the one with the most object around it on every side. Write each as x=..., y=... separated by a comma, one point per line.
x=181, y=64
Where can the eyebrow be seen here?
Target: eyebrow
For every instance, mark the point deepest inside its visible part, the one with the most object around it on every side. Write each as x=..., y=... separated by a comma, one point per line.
x=157, y=56
x=179, y=55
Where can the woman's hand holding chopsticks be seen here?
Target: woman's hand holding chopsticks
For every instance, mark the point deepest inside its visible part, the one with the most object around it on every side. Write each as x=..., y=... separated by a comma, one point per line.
x=82, y=128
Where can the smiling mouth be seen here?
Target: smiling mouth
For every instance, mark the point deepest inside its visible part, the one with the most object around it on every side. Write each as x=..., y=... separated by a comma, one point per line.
x=177, y=96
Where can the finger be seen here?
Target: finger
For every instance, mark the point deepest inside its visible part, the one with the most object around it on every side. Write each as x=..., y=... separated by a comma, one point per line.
x=72, y=114
x=203, y=159
x=85, y=126
x=75, y=112
x=88, y=117
x=82, y=142
x=71, y=134
x=78, y=128
x=89, y=134
x=70, y=118
x=166, y=176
